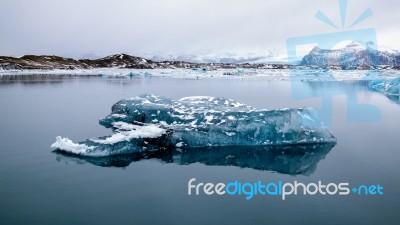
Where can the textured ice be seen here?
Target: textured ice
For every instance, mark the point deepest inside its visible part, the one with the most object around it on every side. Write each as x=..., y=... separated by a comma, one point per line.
x=69, y=146
x=389, y=87
x=152, y=123
x=226, y=74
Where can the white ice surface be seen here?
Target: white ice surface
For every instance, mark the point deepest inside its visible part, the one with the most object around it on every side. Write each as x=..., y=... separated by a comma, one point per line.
x=69, y=146
x=247, y=74
x=126, y=132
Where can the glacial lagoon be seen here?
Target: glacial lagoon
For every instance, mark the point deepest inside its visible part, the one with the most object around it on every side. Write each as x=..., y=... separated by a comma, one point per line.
x=39, y=185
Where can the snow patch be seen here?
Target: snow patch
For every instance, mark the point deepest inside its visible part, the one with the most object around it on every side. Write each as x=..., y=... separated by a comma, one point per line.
x=126, y=132
x=67, y=145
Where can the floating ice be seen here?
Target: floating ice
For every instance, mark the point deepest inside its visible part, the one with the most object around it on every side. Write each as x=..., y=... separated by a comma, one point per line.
x=389, y=87
x=152, y=123
x=302, y=73
x=69, y=146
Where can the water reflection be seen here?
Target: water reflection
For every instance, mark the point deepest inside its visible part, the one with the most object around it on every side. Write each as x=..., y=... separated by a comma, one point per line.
x=394, y=98
x=293, y=160
x=39, y=79
x=356, y=111
x=319, y=89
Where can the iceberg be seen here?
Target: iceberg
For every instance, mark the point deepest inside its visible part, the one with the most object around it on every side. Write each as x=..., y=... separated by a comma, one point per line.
x=149, y=123
x=388, y=87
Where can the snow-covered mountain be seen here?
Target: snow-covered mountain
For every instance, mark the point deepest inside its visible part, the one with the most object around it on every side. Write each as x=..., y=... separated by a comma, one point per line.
x=353, y=56
x=45, y=62
x=269, y=57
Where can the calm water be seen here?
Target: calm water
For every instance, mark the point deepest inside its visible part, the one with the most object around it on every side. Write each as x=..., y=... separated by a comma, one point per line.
x=38, y=186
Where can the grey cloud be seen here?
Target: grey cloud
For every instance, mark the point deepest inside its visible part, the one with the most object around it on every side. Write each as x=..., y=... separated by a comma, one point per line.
x=82, y=27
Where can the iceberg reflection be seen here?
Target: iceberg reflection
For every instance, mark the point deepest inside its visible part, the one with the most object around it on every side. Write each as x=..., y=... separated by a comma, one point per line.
x=292, y=159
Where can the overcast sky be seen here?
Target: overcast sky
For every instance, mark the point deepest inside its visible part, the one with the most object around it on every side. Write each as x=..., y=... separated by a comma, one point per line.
x=83, y=27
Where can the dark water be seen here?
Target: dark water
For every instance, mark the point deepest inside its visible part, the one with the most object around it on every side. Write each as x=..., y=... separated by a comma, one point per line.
x=38, y=186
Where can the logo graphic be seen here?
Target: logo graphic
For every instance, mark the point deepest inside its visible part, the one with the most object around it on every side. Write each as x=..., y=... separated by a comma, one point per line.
x=331, y=63
x=283, y=190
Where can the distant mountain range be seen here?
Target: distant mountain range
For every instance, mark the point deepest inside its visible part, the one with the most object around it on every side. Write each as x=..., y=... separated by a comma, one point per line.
x=29, y=62
x=352, y=56
x=271, y=57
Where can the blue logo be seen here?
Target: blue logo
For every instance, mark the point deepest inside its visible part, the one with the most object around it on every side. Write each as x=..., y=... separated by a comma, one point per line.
x=365, y=38
x=284, y=190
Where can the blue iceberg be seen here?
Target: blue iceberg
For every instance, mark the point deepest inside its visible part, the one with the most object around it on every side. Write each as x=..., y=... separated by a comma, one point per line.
x=387, y=87
x=154, y=123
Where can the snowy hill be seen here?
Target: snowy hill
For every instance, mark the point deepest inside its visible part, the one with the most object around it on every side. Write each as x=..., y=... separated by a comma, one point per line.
x=268, y=57
x=43, y=62
x=352, y=56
